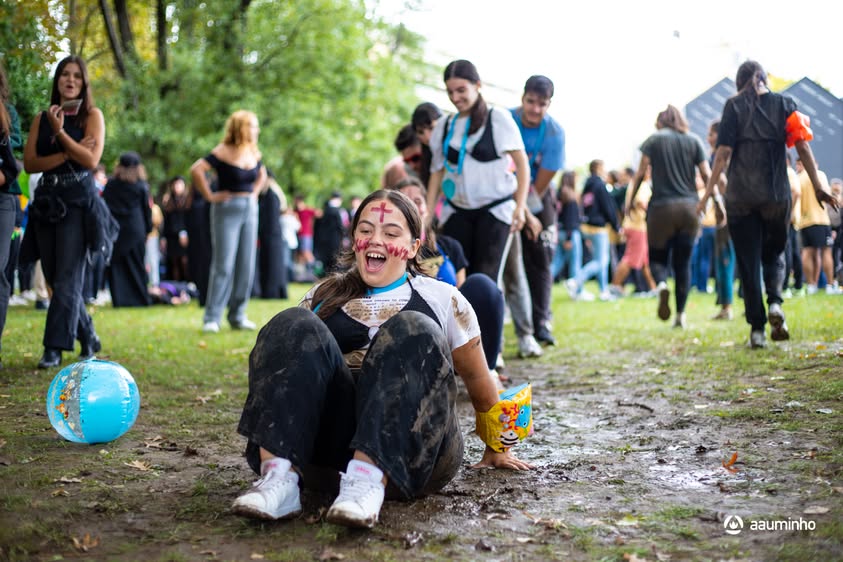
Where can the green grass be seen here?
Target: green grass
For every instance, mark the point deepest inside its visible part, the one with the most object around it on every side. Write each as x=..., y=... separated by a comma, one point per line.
x=193, y=386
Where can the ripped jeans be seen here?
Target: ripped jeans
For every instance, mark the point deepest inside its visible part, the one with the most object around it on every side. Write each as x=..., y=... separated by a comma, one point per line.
x=306, y=405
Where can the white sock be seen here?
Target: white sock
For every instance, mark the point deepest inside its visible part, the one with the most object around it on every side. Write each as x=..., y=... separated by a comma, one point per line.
x=364, y=471
x=279, y=466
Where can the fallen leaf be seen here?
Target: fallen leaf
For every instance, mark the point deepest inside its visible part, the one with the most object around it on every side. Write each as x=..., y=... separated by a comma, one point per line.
x=496, y=516
x=256, y=556
x=86, y=544
x=2, y=443
x=619, y=540
x=815, y=510
x=139, y=465
x=329, y=554
x=728, y=464
x=524, y=540
x=825, y=411
x=627, y=521
x=632, y=557
x=821, y=346
x=60, y=492
x=202, y=399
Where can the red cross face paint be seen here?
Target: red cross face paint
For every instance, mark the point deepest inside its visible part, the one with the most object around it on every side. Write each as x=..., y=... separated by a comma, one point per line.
x=382, y=244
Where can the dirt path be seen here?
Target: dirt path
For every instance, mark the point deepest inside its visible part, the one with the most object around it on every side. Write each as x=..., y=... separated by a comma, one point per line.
x=630, y=466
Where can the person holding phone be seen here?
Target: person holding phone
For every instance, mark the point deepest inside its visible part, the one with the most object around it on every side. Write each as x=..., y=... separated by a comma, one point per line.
x=65, y=148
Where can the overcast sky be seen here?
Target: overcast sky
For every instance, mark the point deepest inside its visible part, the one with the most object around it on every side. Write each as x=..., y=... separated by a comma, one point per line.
x=615, y=63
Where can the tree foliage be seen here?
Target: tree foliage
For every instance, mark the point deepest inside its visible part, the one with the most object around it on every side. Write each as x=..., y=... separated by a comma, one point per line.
x=330, y=85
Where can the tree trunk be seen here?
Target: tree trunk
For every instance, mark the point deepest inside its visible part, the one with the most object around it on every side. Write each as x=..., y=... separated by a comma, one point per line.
x=125, y=29
x=119, y=61
x=163, y=31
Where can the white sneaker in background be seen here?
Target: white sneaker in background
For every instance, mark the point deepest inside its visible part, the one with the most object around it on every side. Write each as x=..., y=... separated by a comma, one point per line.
x=29, y=295
x=664, y=301
x=832, y=289
x=585, y=296
x=211, y=327
x=244, y=324
x=607, y=296
x=528, y=347
x=361, y=496
x=18, y=300
x=811, y=289
x=573, y=289
x=274, y=496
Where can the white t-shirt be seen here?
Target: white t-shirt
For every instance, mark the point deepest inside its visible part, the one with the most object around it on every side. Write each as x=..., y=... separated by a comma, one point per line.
x=480, y=182
x=452, y=310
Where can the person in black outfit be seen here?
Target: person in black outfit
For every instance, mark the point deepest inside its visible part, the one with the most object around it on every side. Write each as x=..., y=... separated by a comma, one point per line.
x=65, y=143
x=175, y=206
x=272, y=248
x=328, y=233
x=127, y=195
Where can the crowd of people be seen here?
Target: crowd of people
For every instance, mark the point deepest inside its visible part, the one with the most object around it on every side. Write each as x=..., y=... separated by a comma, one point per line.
x=413, y=281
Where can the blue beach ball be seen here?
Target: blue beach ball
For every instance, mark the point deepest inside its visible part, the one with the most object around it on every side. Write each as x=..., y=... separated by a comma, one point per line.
x=93, y=401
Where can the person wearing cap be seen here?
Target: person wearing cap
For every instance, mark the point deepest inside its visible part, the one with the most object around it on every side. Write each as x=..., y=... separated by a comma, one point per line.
x=127, y=196
x=65, y=143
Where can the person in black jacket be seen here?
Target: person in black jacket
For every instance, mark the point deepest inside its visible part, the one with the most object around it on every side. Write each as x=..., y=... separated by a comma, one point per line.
x=599, y=211
x=328, y=233
x=175, y=206
x=127, y=196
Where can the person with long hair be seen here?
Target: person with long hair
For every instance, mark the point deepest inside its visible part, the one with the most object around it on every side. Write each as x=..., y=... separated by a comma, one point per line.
x=234, y=219
x=9, y=190
x=65, y=143
x=673, y=222
x=472, y=153
x=175, y=207
x=127, y=196
x=366, y=379
x=756, y=128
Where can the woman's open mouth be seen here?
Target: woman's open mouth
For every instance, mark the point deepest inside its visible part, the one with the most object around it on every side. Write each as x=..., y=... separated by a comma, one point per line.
x=375, y=261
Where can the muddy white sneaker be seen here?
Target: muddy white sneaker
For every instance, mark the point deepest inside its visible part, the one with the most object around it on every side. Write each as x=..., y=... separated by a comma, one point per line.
x=360, y=498
x=680, y=323
x=778, y=327
x=244, y=324
x=757, y=339
x=211, y=327
x=664, y=300
x=528, y=347
x=274, y=496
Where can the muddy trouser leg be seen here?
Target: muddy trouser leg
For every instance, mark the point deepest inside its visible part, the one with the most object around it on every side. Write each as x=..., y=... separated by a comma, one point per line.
x=406, y=398
x=300, y=404
x=487, y=301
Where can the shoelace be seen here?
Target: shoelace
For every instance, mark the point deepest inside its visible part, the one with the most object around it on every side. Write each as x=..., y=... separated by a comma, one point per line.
x=269, y=482
x=355, y=489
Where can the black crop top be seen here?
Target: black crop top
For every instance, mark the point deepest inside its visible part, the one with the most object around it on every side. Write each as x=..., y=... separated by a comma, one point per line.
x=232, y=178
x=46, y=144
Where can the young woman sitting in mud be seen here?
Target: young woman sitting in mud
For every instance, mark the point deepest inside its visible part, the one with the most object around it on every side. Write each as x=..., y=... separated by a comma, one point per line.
x=360, y=377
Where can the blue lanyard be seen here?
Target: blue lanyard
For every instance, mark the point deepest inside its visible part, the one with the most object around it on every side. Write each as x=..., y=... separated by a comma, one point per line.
x=447, y=144
x=394, y=285
x=539, y=141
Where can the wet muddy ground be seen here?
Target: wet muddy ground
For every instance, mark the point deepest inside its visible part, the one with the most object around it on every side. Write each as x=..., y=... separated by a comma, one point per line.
x=634, y=461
